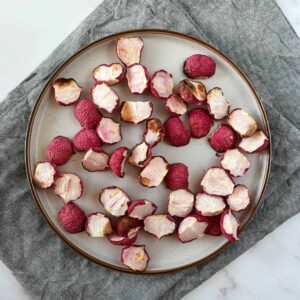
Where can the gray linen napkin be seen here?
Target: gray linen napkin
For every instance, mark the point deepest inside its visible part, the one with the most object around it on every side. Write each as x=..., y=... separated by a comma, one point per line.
x=256, y=35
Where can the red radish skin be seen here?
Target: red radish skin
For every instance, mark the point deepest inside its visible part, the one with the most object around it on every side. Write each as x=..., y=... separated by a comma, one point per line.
x=136, y=112
x=86, y=113
x=181, y=203
x=154, y=173
x=45, y=174
x=117, y=161
x=229, y=226
x=105, y=98
x=98, y=225
x=68, y=187
x=120, y=240
x=129, y=50
x=72, y=218
x=175, y=105
x=135, y=257
x=140, y=209
x=200, y=122
x=177, y=177
x=213, y=227
x=191, y=228
x=208, y=205
x=66, y=91
x=242, y=122
x=110, y=74
x=223, y=138
x=114, y=200
x=217, y=182
x=154, y=132
x=86, y=139
x=239, y=200
x=199, y=66
x=254, y=144
x=59, y=151
x=140, y=155
x=95, y=160
x=159, y=225
x=138, y=79
x=109, y=131
x=217, y=105
x=193, y=92
x=161, y=84
x=128, y=227
x=176, y=133
x=235, y=163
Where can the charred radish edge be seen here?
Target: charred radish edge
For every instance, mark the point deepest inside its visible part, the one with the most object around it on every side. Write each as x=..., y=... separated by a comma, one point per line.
x=110, y=74
x=112, y=136
x=74, y=184
x=45, y=174
x=140, y=154
x=217, y=105
x=154, y=132
x=229, y=226
x=95, y=160
x=181, y=203
x=117, y=161
x=131, y=111
x=161, y=84
x=191, y=91
x=140, y=209
x=147, y=176
x=135, y=257
x=129, y=50
x=208, y=205
x=138, y=79
x=239, y=200
x=110, y=204
x=98, y=225
x=149, y=227
x=66, y=91
x=254, y=144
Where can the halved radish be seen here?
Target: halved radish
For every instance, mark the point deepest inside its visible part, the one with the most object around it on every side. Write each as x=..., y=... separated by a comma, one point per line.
x=45, y=174
x=223, y=138
x=159, y=225
x=181, y=203
x=235, y=163
x=177, y=177
x=136, y=111
x=200, y=122
x=175, y=105
x=109, y=74
x=254, y=144
x=140, y=209
x=117, y=161
x=161, y=84
x=120, y=240
x=129, y=50
x=154, y=132
x=217, y=105
x=135, y=257
x=86, y=139
x=140, y=155
x=176, y=132
x=239, y=199
x=109, y=131
x=97, y=225
x=127, y=226
x=66, y=91
x=95, y=159
x=138, y=79
x=229, y=226
x=208, y=205
x=191, y=91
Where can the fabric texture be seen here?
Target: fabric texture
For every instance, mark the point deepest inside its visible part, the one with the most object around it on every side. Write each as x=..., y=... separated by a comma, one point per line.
x=255, y=35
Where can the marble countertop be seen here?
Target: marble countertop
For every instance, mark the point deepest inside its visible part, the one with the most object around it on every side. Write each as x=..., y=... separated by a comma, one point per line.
x=271, y=268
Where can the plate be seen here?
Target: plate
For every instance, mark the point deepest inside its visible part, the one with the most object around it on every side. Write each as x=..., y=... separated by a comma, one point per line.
x=163, y=50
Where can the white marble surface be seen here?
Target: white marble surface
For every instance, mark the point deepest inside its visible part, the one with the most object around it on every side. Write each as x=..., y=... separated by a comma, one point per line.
x=270, y=269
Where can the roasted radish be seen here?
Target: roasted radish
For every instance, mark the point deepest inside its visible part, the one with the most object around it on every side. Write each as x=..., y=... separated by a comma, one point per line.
x=217, y=105
x=181, y=203
x=235, y=162
x=229, y=226
x=86, y=139
x=95, y=159
x=140, y=155
x=208, y=205
x=176, y=132
x=136, y=111
x=97, y=225
x=140, y=209
x=135, y=257
x=255, y=143
x=154, y=132
x=177, y=177
x=239, y=199
x=200, y=122
x=223, y=138
x=161, y=84
x=129, y=50
x=138, y=79
x=199, y=66
x=66, y=91
x=109, y=131
x=159, y=225
x=117, y=161
x=109, y=74
x=45, y=174
x=191, y=91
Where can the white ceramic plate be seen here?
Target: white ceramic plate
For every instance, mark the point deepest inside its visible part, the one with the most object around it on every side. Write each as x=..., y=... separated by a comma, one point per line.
x=163, y=50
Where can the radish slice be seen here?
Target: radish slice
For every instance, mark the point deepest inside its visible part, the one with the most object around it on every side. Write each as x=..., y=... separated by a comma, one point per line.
x=68, y=187
x=120, y=240
x=154, y=132
x=254, y=144
x=217, y=182
x=191, y=91
x=223, y=138
x=229, y=226
x=175, y=105
x=109, y=74
x=114, y=200
x=95, y=159
x=159, y=225
x=98, y=225
x=154, y=173
x=242, y=122
x=181, y=203
x=176, y=132
x=136, y=112
x=239, y=199
x=66, y=91
x=200, y=122
x=129, y=50
x=117, y=161
x=140, y=209
x=45, y=174
x=161, y=84
x=140, y=155
x=191, y=228
x=135, y=257
x=199, y=66
x=235, y=163
x=109, y=131
x=217, y=105
x=86, y=139
x=128, y=227
x=208, y=205
x=105, y=98
x=138, y=79
x=177, y=177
